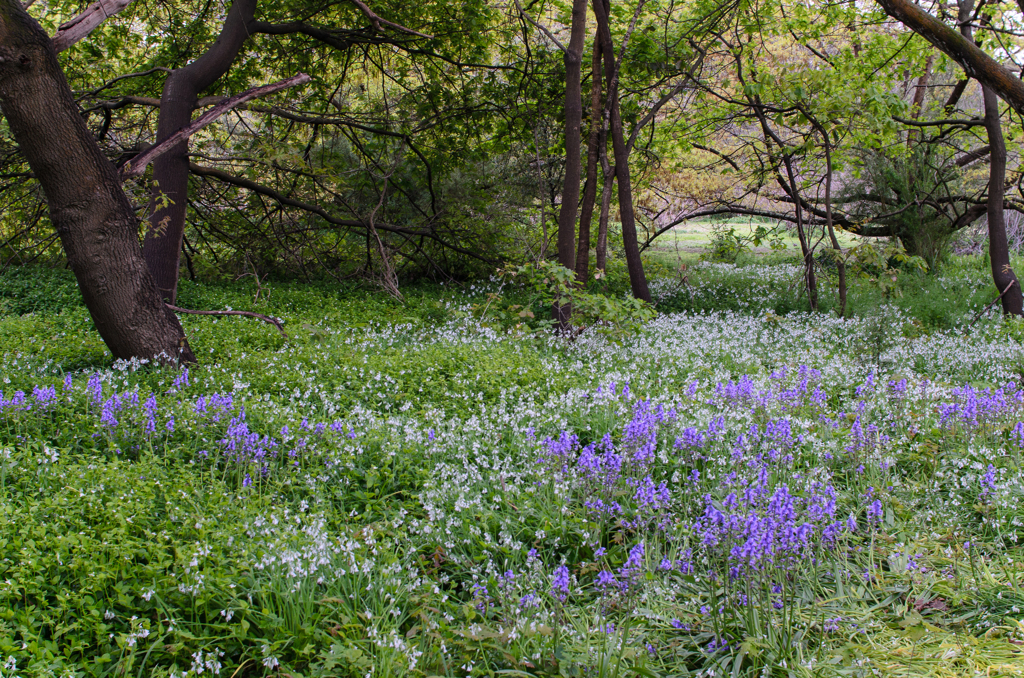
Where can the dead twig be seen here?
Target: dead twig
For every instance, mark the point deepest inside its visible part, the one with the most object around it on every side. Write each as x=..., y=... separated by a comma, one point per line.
x=265, y=318
x=985, y=310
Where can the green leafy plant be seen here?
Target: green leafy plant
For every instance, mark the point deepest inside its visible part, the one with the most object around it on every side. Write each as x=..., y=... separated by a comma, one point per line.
x=880, y=264
x=726, y=244
x=550, y=284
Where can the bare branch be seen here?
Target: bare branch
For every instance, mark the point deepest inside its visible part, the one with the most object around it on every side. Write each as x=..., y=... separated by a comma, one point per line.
x=84, y=24
x=155, y=69
x=967, y=159
x=539, y=26
x=973, y=122
x=138, y=164
x=249, y=314
x=975, y=62
x=277, y=196
x=378, y=21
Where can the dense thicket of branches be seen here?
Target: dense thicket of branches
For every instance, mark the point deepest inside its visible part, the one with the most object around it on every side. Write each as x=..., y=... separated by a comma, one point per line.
x=446, y=140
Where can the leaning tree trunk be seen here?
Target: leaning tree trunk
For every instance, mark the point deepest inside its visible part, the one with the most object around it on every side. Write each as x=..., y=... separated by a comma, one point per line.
x=637, y=278
x=180, y=95
x=573, y=122
x=998, y=249
x=88, y=208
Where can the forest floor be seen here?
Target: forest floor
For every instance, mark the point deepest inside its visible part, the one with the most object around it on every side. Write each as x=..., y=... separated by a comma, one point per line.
x=433, y=487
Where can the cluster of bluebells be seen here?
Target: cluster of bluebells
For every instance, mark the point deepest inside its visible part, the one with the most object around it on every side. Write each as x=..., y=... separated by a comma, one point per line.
x=972, y=408
x=728, y=483
x=613, y=482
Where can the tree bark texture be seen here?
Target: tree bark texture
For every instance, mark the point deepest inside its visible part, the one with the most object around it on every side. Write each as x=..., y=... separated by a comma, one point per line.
x=88, y=208
x=180, y=95
x=573, y=137
x=637, y=278
x=920, y=94
x=975, y=62
x=590, y=187
x=998, y=249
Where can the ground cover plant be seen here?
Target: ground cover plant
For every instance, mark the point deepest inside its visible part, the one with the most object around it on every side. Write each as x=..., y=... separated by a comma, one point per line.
x=435, y=488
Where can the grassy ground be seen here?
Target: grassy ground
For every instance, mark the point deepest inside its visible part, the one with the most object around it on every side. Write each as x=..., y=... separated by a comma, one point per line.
x=433, y=488
x=694, y=237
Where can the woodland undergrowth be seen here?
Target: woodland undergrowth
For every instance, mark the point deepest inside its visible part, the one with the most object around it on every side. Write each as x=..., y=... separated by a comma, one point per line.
x=444, y=486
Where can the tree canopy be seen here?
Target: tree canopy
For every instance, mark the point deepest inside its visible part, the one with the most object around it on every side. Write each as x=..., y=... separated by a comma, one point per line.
x=446, y=139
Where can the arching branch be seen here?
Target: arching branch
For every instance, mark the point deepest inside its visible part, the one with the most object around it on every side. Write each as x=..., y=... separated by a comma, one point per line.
x=138, y=164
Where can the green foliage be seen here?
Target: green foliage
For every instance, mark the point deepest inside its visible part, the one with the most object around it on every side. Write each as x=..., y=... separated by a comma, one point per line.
x=909, y=192
x=726, y=245
x=880, y=265
x=551, y=284
x=39, y=290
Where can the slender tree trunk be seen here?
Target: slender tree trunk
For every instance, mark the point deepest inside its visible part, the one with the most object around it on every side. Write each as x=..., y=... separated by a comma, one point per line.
x=590, y=191
x=829, y=226
x=840, y=264
x=637, y=278
x=162, y=247
x=920, y=92
x=998, y=249
x=541, y=194
x=88, y=208
x=805, y=247
x=573, y=134
x=608, y=171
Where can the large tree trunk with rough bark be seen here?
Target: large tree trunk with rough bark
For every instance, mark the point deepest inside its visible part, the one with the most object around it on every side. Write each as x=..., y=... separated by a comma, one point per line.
x=88, y=208
x=637, y=277
x=180, y=95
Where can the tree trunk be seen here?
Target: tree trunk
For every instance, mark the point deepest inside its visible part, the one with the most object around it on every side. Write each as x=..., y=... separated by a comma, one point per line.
x=88, y=208
x=590, y=191
x=637, y=278
x=162, y=247
x=573, y=122
x=998, y=249
x=920, y=93
x=608, y=171
x=840, y=263
x=805, y=246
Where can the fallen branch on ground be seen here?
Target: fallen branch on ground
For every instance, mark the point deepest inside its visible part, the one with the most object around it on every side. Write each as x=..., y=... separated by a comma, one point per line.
x=265, y=318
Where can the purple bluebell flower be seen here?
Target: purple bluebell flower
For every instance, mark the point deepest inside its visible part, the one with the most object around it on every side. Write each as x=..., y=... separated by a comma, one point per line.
x=95, y=388
x=560, y=583
x=44, y=396
x=988, y=482
x=149, y=409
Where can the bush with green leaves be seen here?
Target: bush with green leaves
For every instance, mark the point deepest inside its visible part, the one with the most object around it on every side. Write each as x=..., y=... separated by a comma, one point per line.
x=549, y=284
